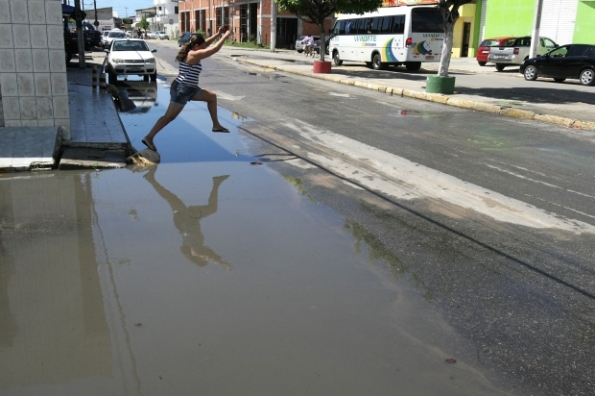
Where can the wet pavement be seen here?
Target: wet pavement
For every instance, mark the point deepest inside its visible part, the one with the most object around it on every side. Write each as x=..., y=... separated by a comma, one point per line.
x=210, y=272
x=234, y=267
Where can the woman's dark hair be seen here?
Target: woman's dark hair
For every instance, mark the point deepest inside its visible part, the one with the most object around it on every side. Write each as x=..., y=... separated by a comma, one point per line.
x=194, y=40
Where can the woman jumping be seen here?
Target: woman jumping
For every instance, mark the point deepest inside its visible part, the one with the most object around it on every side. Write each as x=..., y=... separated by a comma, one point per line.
x=185, y=86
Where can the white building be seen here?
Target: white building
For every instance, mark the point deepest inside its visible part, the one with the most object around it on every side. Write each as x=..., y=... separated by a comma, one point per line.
x=163, y=16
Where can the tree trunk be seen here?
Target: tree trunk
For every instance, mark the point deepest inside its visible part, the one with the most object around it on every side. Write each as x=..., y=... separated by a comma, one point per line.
x=446, y=48
x=322, y=42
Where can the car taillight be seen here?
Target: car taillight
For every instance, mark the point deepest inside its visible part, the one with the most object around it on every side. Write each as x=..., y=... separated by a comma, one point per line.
x=408, y=42
x=516, y=50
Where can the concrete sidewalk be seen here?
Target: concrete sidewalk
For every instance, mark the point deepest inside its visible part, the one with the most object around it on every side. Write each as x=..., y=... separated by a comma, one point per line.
x=97, y=136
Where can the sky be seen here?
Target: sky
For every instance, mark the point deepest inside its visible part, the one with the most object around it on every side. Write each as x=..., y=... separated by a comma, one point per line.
x=124, y=8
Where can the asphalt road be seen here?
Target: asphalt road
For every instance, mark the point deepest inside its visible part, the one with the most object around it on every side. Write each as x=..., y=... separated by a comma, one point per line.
x=492, y=218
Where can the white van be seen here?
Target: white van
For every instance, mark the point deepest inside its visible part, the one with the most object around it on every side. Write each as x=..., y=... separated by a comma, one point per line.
x=406, y=35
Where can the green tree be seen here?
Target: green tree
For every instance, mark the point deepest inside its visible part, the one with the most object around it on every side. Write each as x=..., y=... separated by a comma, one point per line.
x=450, y=14
x=144, y=24
x=316, y=11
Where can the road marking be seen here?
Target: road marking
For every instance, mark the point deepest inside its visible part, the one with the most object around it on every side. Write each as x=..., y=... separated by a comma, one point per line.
x=406, y=180
x=226, y=96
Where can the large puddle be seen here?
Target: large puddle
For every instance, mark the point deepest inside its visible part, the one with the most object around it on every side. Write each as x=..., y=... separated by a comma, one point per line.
x=211, y=273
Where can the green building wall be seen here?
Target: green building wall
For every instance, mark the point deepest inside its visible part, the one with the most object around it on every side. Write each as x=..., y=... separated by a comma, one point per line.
x=583, y=28
x=516, y=18
x=510, y=18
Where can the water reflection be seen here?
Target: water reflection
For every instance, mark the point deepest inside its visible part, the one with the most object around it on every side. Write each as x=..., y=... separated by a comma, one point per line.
x=136, y=96
x=187, y=221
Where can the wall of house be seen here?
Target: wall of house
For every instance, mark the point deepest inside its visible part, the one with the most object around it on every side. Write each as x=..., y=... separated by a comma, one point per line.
x=510, y=18
x=467, y=15
x=32, y=64
x=583, y=29
x=191, y=8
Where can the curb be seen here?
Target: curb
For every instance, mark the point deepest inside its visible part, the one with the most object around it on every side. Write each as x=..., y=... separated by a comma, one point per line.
x=505, y=111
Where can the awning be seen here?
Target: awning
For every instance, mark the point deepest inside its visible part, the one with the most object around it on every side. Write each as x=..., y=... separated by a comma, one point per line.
x=69, y=10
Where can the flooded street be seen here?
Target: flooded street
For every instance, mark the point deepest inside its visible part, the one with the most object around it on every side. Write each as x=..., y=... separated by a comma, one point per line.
x=213, y=272
x=237, y=267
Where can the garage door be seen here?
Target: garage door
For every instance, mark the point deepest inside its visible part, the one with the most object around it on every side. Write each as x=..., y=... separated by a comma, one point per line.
x=558, y=19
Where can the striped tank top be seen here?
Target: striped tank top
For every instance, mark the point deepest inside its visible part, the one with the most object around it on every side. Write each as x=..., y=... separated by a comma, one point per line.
x=189, y=74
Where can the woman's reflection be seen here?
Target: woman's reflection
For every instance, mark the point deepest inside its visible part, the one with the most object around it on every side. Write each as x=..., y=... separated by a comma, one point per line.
x=187, y=221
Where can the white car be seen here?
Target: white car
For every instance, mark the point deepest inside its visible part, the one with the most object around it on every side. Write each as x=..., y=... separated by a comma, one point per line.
x=161, y=35
x=131, y=57
x=107, y=39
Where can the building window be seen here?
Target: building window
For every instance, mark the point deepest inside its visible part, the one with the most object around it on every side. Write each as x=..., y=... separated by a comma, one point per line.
x=176, y=10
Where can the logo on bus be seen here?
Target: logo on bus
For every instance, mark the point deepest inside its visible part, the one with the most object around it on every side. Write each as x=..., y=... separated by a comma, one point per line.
x=365, y=38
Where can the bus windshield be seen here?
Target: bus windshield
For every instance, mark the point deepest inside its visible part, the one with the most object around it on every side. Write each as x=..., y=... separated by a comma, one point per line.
x=426, y=20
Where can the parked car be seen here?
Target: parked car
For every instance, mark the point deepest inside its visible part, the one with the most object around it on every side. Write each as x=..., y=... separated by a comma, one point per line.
x=515, y=51
x=574, y=61
x=185, y=38
x=298, y=43
x=483, y=51
x=131, y=57
x=161, y=36
x=113, y=34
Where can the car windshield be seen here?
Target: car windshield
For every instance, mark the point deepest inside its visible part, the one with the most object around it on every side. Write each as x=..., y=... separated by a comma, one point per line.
x=116, y=34
x=127, y=45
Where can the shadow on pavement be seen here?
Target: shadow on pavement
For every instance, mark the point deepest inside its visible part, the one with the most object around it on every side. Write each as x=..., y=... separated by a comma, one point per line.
x=533, y=95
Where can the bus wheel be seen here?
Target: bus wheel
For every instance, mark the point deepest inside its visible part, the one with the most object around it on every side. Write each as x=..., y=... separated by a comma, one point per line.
x=377, y=62
x=336, y=60
x=413, y=66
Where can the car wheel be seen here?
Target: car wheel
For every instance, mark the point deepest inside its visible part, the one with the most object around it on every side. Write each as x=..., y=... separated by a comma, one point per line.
x=587, y=77
x=336, y=60
x=377, y=62
x=146, y=77
x=499, y=67
x=300, y=51
x=530, y=73
x=154, y=77
x=482, y=63
x=559, y=79
x=68, y=56
x=413, y=66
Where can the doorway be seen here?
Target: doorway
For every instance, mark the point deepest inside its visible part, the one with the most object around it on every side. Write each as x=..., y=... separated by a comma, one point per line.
x=466, y=38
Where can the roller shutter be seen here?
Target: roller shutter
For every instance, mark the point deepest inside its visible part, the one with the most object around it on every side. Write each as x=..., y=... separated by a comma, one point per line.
x=558, y=19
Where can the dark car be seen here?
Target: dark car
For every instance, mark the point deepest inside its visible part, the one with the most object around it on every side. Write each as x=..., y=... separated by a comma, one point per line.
x=184, y=38
x=575, y=61
x=483, y=51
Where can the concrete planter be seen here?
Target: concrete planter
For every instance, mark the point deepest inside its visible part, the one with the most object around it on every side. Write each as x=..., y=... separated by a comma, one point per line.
x=322, y=67
x=438, y=84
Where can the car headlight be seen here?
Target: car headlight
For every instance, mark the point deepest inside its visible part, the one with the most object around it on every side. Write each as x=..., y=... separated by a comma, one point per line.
x=152, y=60
x=118, y=60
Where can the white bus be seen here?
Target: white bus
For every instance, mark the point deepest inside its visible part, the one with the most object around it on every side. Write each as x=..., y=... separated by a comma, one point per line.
x=406, y=35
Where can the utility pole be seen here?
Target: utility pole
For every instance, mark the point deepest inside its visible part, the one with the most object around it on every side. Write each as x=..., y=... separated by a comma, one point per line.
x=273, y=26
x=80, y=37
x=96, y=23
x=536, y=26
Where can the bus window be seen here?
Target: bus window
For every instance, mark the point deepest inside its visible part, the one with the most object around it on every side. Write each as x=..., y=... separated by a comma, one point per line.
x=348, y=26
x=426, y=20
x=398, y=24
x=386, y=25
x=376, y=25
x=339, y=28
x=367, y=26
